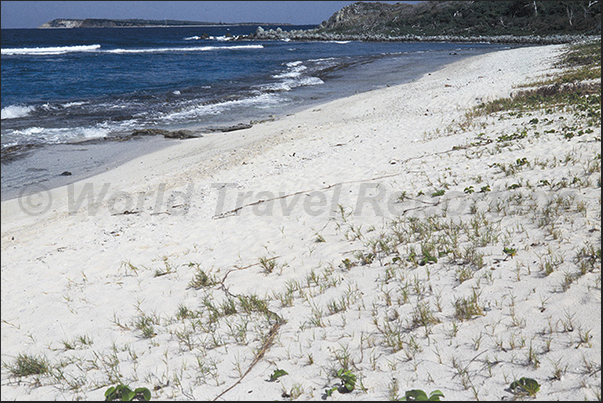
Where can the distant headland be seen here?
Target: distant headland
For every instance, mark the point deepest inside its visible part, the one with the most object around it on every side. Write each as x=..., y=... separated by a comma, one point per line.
x=136, y=23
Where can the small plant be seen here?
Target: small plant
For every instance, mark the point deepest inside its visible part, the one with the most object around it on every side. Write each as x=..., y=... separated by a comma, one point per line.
x=348, y=382
x=525, y=386
x=469, y=190
x=467, y=308
x=26, y=365
x=421, y=396
x=319, y=238
x=277, y=374
x=268, y=264
x=438, y=193
x=347, y=264
x=403, y=196
x=201, y=279
x=125, y=394
x=510, y=251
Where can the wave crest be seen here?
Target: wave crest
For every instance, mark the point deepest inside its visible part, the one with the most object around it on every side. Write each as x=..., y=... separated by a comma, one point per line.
x=16, y=111
x=50, y=50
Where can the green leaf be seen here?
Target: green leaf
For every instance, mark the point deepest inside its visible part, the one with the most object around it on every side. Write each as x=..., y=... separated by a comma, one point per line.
x=435, y=396
x=329, y=392
x=277, y=374
x=146, y=393
x=527, y=386
x=415, y=394
x=127, y=395
x=110, y=394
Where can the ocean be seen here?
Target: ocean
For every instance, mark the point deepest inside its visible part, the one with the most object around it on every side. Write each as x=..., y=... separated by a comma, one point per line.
x=62, y=87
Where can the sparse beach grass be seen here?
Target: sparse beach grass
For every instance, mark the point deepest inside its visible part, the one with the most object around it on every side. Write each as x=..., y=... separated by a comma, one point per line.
x=474, y=291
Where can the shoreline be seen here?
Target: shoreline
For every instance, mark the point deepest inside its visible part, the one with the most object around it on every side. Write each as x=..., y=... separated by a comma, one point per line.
x=96, y=155
x=55, y=165
x=199, y=270
x=316, y=35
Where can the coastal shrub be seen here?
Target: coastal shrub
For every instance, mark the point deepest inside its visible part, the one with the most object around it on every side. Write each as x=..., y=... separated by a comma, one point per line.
x=125, y=394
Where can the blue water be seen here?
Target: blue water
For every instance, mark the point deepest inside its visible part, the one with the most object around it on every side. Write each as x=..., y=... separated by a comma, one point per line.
x=68, y=85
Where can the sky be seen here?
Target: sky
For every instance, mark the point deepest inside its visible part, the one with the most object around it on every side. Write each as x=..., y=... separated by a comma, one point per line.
x=32, y=14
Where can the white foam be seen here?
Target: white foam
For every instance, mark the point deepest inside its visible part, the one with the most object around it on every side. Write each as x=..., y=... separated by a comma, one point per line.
x=264, y=100
x=50, y=50
x=295, y=70
x=16, y=111
x=30, y=131
x=62, y=135
x=190, y=49
x=221, y=38
x=289, y=84
x=71, y=104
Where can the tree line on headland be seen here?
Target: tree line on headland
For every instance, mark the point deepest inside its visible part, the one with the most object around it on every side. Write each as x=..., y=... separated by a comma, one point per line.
x=492, y=21
x=467, y=18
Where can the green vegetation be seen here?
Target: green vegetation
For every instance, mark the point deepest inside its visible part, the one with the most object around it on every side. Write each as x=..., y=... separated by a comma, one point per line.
x=277, y=374
x=26, y=365
x=468, y=18
x=348, y=382
x=420, y=396
x=201, y=279
x=125, y=394
x=510, y=251
x=525, y=386
x=581, y=62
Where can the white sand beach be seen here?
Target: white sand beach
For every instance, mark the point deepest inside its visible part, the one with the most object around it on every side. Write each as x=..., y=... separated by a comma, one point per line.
x=199, y=270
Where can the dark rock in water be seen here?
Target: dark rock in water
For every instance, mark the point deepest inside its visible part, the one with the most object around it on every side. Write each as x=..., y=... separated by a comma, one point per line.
x=322, y=34
x=12, y=153
x=226, y=129
x=149, y=132
x=270, y=118
x=66, y=173
x=181, y=134
x=240, y=126
x=177, y=134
